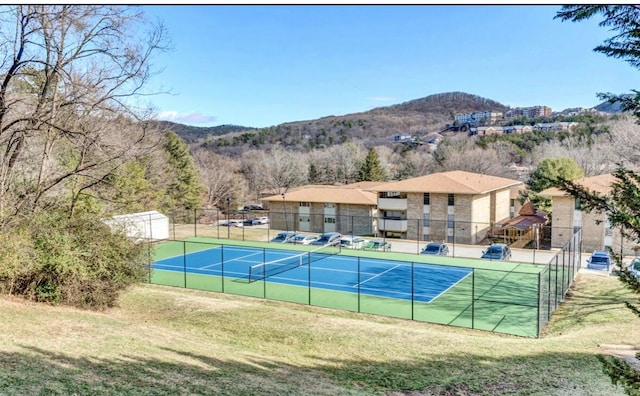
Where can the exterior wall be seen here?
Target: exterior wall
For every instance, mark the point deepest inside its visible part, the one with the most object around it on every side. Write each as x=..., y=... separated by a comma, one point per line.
x=481, y=216
x=562, y=221
x=356, y=219
x=501, y=206
x=438, y=223
x=463, y=217
x=283, y=215
x=415, y=204
x=317, y=217
x=592, y=233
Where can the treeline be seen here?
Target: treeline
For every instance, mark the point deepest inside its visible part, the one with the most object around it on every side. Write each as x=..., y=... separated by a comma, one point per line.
x=72, y=152
x=595, y=147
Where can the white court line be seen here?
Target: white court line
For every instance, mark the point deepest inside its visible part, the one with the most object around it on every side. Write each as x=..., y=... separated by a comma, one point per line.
x=241, y=258
x=447, y=289
x=380, y=274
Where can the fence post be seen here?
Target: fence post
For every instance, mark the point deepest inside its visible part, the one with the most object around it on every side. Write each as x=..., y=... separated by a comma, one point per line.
x=359, y=284
x=473, y=298
x=539, y=303
x=412, y=291
x=222, y=264
x=184, y=262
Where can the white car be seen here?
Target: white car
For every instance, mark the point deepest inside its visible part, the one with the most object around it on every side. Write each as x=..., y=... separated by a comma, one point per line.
x=235, y=223
x=352, y=242
x=263, y=220
x=302, y=239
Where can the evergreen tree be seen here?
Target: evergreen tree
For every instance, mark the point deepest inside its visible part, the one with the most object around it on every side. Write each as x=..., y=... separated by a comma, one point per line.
x=622, y=205
x=186, y=190
x=371, y=169
x=313, y=174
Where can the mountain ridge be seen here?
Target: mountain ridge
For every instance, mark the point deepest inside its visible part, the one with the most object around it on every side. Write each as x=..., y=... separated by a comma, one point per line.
x=432, y=113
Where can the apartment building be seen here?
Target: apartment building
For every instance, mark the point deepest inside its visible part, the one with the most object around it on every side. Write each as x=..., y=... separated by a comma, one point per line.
x=476, y=117
x=348, y=209
x=597, y=232
x=455, y=205
x=531, y=112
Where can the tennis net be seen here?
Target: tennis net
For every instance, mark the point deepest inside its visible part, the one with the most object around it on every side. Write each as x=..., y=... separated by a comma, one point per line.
x=264, y=270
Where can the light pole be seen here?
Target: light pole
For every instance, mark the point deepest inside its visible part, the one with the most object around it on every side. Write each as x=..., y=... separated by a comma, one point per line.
x=284, y=206
x=228, y=225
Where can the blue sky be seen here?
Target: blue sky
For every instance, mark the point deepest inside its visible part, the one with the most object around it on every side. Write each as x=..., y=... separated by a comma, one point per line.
x=260, y=66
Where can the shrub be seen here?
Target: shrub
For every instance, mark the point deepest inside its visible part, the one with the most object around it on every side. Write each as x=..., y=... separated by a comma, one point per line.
x=75, y=261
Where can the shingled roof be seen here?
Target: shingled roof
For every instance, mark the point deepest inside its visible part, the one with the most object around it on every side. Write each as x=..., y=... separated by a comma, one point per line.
x=452, y=182
x=333, y=194
x=600, y=184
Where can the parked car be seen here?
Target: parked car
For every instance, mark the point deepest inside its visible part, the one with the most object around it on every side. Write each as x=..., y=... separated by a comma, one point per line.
x=249, y=208
x=634, y=268
x=302, y=239
x=283, y=236
x=251, y=222
x=497, y=251
x=263, y=220
x=328, y=238
x=436, y=248
x=599, y=260
x=377, y=244
x=352, y=242
x=235, y=223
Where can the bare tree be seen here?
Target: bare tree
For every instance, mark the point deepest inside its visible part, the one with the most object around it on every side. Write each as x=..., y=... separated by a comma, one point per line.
x=594, y=159
x=277, y=169
x=221, y=176
x=461, y=153
x=625, y=138
x=67, y=119
x=413, y=164
x=251, y=166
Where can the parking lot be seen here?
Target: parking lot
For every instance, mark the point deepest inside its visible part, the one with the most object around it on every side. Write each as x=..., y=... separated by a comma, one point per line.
x=536, y=256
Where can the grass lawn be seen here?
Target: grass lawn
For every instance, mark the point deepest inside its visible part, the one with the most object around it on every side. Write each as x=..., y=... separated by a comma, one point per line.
x=170, y=341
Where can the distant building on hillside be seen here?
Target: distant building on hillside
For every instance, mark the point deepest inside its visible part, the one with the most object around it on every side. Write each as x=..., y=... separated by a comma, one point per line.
x=475, y=118
x=531, y=112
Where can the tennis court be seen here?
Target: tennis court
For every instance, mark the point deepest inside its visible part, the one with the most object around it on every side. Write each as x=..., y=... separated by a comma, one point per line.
x=322, y=270
x=501, y=297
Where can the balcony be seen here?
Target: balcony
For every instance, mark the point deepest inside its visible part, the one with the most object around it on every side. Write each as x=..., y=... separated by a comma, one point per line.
x=388, y=224
x=392, y=203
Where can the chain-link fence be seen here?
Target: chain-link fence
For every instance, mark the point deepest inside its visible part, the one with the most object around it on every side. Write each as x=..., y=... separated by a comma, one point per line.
x=503, y=297
x=407, y=235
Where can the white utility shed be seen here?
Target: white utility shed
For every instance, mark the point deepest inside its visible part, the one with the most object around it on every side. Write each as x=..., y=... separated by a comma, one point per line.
x=151, y=225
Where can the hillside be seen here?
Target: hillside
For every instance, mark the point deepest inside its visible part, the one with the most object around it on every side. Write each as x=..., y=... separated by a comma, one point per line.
x=416, y=117
x=419, y=116
x=192, y=133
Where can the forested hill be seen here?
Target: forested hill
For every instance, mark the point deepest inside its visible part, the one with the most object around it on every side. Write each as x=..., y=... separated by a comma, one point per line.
x=415, y=117
x=192, y=133
x=419, y=116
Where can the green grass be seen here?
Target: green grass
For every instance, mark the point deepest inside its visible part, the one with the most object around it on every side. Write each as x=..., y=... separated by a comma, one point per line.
x=165, y=341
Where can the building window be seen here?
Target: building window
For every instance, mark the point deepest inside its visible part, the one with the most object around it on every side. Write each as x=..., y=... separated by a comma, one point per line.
x=577, y=204
x=330, y=220
x=305, y=204
x=329, y=205
x=426, y=237
x=425, y=199
x=426, y=220
x=390, y=194
x=450, y=200
x=450, y=221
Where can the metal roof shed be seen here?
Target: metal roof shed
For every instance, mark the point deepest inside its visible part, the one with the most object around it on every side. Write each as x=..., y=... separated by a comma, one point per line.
x=150, y=225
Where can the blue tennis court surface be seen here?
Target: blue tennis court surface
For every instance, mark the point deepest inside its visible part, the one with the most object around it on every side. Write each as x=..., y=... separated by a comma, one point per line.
x=391, y=279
